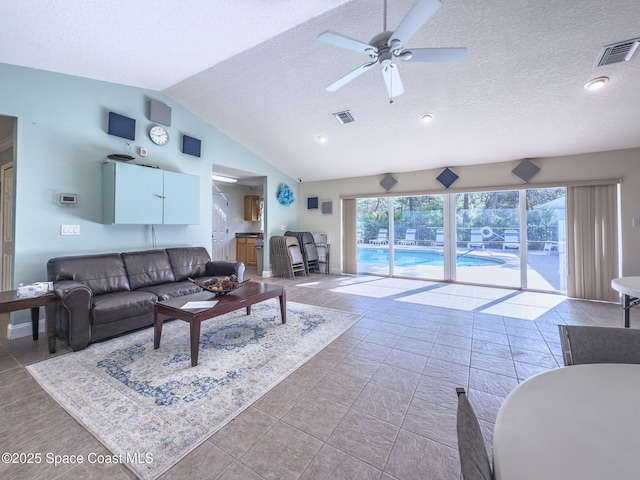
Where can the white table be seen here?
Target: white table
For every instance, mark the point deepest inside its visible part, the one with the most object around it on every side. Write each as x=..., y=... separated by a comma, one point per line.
x=630, y=288
x=573, y=423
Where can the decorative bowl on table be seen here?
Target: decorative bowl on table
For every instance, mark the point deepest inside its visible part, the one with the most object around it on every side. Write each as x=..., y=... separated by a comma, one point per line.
x=219, y=285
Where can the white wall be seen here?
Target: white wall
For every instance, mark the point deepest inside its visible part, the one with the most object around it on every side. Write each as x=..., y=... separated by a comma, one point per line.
x=624, y=164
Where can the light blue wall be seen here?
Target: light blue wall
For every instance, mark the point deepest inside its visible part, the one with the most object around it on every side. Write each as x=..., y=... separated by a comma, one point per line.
x=61, y=143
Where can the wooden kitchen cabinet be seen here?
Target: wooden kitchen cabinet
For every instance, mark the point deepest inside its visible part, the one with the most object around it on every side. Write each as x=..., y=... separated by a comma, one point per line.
x=246, y=251
x=252, y=208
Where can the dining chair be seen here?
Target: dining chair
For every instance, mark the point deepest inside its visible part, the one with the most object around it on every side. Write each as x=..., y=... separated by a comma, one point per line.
x=474, y=459
x=586, y=344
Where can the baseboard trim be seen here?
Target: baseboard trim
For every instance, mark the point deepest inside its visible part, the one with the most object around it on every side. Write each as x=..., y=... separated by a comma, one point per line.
x=23, y=329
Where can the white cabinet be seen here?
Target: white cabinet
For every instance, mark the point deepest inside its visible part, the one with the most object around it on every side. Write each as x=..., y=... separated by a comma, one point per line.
x=137, y=195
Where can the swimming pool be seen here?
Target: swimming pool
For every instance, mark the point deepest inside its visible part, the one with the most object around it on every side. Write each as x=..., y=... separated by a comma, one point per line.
x=406, y=258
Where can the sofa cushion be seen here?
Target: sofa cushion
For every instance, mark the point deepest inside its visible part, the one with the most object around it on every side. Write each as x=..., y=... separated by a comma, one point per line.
x=114, y=307
x=172, y=290
x=150, y=267
x=188, y=262
x=104, y=273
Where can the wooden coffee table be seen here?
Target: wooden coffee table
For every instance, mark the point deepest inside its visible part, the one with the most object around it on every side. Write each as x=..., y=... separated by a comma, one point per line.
x=248, y=294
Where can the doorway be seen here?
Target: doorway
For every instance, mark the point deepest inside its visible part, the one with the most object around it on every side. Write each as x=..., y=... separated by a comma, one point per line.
x=7, y=186
x=219, y=228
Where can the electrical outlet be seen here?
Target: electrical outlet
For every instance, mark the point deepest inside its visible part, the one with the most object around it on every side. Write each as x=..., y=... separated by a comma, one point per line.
x=69, y=229
x=283, y=228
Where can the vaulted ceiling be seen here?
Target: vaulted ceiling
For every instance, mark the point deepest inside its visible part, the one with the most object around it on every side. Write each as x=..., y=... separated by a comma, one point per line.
x=256, y=71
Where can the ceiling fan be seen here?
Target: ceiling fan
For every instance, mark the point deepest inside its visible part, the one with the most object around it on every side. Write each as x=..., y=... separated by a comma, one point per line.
x=385, y=47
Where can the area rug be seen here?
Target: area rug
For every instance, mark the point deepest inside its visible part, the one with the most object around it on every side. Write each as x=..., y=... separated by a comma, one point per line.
x=151, y=408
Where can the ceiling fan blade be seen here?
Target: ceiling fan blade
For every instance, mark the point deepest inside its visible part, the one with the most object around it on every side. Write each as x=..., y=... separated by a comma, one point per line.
x=333, y=38
x=446, y=55
x=393, y=81
x=411, y=23
x=342, y=81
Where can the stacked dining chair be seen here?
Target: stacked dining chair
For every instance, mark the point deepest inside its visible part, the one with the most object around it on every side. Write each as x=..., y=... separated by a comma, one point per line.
x=286, y=257
x=308, y=250
x=295, y=256
x=280, y=260
x=322, y=247
x=474, y=459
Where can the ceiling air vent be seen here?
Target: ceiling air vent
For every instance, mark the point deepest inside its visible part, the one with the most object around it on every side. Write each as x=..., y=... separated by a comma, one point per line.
x=618, y=52
x=344, y=117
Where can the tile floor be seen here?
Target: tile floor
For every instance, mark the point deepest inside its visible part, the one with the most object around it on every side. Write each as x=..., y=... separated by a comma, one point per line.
x=378, y=403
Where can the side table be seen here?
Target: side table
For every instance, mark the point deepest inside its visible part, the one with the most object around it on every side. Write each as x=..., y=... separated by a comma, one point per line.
x=11, y=302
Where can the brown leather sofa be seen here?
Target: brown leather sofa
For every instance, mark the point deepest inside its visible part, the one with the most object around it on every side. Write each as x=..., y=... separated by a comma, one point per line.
x=104, y=295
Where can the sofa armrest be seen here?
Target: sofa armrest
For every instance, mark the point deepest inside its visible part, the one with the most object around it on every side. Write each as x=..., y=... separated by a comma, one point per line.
x=75, y=299
x=220, y=268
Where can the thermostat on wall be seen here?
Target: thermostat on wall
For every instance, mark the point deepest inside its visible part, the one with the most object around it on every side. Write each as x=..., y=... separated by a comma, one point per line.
x=69, y=199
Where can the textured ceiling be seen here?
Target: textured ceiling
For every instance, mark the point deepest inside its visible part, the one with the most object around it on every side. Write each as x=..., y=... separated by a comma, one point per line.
x=257, y=73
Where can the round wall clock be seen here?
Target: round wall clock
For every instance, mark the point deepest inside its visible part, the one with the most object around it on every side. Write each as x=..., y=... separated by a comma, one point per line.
x=158, y=135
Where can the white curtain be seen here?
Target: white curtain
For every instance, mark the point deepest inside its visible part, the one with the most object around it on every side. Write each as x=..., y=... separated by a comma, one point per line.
x=349, y=261
x=592, y=242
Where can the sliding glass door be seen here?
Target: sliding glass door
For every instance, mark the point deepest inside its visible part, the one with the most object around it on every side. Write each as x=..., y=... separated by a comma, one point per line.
x=373, y=236
x=418, y=249
x=488, y=238
x=546, y=240
x=508, y=238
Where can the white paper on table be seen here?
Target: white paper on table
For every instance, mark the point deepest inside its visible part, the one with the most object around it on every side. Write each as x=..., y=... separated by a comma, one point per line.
x=199, y=305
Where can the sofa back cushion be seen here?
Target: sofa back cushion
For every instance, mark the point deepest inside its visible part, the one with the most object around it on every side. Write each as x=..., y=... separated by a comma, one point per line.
x=104, y=273
x=188, y=262
x=147, y=268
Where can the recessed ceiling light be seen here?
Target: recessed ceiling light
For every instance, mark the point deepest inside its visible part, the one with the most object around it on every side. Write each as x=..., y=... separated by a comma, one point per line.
x=321, y=138
x=219, y=178
x=596, y=83
x=427, y=117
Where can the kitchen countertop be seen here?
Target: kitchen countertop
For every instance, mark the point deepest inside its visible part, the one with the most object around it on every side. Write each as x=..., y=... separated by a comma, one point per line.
x=249, y=235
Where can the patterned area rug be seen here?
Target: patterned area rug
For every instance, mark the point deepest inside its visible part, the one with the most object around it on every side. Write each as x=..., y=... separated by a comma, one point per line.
x=153, y=407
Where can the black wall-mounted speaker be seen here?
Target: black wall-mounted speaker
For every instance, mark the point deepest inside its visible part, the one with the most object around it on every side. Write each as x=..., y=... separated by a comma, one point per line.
x=191, y=146
x=447, y=177
x=525, y=170
x=122, y=126
x=388, y=182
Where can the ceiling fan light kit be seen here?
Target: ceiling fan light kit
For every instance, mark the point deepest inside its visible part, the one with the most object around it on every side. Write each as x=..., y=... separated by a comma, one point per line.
x=387, y=46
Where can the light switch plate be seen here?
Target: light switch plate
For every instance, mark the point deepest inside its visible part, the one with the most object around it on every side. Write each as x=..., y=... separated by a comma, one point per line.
x=69, y=229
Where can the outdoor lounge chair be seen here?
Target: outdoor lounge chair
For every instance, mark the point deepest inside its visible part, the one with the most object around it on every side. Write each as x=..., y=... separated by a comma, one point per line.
x=360, y=236
x=409, y=237
x=476, y=239
x=383, y=237
x=439, y=238
x=511, y=240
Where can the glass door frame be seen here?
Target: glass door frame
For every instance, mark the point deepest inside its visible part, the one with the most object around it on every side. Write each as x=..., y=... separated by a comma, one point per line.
x=450, y=240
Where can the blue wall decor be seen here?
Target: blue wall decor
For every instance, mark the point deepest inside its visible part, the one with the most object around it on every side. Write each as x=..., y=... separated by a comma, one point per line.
x=285, y=195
